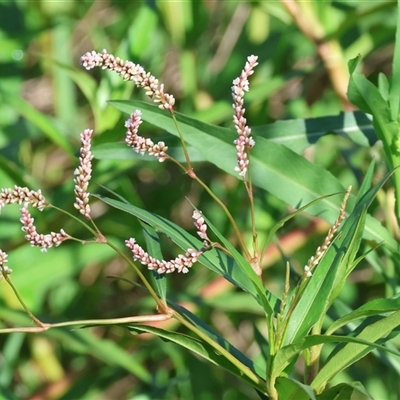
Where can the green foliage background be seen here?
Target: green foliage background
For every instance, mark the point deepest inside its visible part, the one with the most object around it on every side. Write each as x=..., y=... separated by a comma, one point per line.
x=196, y=49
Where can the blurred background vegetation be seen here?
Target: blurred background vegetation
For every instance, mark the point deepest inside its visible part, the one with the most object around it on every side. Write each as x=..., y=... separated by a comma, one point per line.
x=196, y=48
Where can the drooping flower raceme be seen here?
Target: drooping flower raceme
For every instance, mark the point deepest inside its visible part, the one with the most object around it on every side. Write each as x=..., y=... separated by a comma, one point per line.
x=131, y=72
x=140, y=144
x=39, y=239
x=28, y=197
x=244, y=142
x=182, y=263
x=83, y=174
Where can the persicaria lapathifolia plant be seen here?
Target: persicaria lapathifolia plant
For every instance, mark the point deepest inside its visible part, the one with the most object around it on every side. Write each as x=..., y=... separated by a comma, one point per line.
x=185, y=261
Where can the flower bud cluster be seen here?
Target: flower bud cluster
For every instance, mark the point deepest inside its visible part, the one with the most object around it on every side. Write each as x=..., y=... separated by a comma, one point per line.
x=140, y=144
x=244, y=142
x=4, y=270
x=200, y=225
x=321, y=250
x=133, y=72
x=83, y=174
x=182, y=263
x=40, y=240
x=22, y=195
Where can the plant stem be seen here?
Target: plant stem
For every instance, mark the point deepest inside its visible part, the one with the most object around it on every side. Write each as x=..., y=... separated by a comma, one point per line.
x=161, y=306
x=225, y=353
x=189, y=170
x=35, y=320
x=97, y=322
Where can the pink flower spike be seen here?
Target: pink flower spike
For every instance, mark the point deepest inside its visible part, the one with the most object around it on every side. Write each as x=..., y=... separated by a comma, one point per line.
x=140, y=144
x=40, y=240
x=182, y=263
x=244, y=142
x=83, y=174
x=19, y=195
x=130, y=72
x=4, y=270
x=200, y=225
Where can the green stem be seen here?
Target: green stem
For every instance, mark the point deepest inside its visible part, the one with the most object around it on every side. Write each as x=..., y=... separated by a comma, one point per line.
x=225, y=353
x=228, y=214
x=95, y=233
x=35, y=320
x=255, y=262
x=190, y=172
x=97, y=322
x=161, y=306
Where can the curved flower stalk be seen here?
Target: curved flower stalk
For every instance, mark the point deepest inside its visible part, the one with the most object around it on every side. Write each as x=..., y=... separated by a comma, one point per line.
x=183, y=262
x=140, y=144
x=130, y=72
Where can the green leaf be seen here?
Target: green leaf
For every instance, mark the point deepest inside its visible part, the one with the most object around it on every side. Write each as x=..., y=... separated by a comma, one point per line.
x=197, y=346
x=200, y=324
x=331, y=273
x=313, y=301
x=215, y=260
x=83, y=341
x=394, y=96
x=281, y=223
x=285, y=355
x=40, y=120
x=154, y=249
x=264, y=298
x=291, y=389
x=298, y=134
x=353, y=63
x=367, y=181
x=365, y=95
x=352, y=352
x=277, y=169
x=345, y=391
x=33, y=280
x=373, y=307
x=120, y=151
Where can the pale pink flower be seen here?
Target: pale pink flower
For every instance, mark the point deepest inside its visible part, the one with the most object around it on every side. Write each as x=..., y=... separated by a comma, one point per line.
x=20, y=195
x=83, y=174
x=133, y=72
x=4, y=270
x=182, y=263
x=200, y=225
x=40, y=240
x=140, y=144
x=244, y=142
